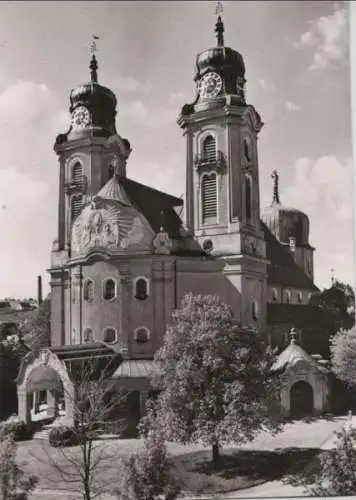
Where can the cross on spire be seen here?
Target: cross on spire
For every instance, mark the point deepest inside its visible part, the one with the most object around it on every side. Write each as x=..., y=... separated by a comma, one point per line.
x=93, y=66
x=219, y=26
x=275, y=178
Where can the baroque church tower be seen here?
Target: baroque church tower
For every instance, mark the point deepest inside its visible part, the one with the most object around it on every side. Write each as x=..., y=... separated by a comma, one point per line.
x=222, y=202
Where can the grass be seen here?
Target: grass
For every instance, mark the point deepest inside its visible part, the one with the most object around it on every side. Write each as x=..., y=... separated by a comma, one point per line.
x=267, y=458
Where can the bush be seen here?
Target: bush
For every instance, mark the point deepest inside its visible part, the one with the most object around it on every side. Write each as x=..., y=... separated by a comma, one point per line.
x=63, y=436
x=147, y=475
x=18, y=429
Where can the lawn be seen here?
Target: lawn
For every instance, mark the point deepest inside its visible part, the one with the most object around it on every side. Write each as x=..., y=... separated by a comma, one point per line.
x=267, y=458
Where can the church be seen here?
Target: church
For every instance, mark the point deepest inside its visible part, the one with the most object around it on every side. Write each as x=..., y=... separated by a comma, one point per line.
x=125, y=253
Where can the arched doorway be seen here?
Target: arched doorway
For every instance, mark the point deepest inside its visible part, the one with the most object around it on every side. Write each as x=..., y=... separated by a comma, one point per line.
x=301, y=399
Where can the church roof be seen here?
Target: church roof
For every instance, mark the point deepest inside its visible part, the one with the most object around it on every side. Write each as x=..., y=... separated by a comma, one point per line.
x=282, y=269
x=290, y=356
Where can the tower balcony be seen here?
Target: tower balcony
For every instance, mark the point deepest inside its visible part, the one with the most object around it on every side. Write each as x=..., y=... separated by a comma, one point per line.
x=205, y=163
x=79, y=185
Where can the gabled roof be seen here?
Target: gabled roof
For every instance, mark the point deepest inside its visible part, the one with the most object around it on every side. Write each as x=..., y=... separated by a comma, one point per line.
x=292, y=355
x=282, y=269
x=156, y=206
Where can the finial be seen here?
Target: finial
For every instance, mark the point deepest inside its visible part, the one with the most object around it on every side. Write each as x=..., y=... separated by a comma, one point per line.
x=275, y=178
x=293, y=336
x=219, y=26
x=162, y=221
x=332, y=277
x=93, y=66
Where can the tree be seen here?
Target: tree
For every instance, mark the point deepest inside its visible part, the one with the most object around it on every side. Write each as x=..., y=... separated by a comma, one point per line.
x=37, y=329
x=343, y=356
x=14, y=485
x=94, y=402
x=214, y=377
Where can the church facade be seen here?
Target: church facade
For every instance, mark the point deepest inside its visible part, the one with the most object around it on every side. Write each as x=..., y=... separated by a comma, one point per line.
x=123, y=257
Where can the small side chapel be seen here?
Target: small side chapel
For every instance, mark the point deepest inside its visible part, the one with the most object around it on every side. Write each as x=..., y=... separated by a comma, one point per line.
x=123, y=258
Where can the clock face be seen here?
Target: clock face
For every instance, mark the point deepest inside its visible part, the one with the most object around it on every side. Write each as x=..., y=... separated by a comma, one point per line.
x=210, y=85
x=80, y=117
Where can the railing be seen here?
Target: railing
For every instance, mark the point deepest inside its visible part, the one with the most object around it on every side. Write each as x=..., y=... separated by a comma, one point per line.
x=76, y=185
x=205, y=162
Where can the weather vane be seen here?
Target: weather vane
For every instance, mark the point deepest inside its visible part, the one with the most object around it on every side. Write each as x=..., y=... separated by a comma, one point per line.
x=219, y=8
x=92, y=46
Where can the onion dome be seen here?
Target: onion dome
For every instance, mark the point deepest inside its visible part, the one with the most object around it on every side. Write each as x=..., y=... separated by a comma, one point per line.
x=286, y=223
x=111, y=223
x=219, y=76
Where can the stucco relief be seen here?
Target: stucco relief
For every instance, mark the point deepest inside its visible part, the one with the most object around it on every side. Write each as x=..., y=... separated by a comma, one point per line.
x=106, y=225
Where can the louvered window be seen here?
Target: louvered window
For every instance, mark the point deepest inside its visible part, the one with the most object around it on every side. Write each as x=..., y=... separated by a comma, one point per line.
x=209, y=149
x=209, y=199
x=76, y=206
x=77, y=173
x=248, y=198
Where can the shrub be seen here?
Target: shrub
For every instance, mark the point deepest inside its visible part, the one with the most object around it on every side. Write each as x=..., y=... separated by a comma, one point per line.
x=147, y=475
x=63, y=436
x=19, y=430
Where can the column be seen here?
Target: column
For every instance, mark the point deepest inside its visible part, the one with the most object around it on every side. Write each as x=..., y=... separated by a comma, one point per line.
x=52, y=401
x=36, y=401
x=24, y=406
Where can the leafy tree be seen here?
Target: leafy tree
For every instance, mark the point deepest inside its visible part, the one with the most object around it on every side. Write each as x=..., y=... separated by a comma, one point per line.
x=215, y=380
x=37, y=329
x=14, y=485
x=343, y=356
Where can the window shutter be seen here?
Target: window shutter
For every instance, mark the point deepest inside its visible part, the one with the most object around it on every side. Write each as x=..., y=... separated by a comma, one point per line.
x=209, y=198
x=209, y=149
x=77, y=173
x=76, y=206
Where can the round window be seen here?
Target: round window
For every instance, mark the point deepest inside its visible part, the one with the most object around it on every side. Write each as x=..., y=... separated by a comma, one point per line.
x=141, y=335
x=207, y=245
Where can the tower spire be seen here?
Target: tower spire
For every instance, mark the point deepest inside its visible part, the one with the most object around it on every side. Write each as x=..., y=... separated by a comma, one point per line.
x=93, y=66
x=219, y=26
x=275, y=178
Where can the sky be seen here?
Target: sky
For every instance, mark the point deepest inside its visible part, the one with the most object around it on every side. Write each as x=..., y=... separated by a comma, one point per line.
x=297, y=70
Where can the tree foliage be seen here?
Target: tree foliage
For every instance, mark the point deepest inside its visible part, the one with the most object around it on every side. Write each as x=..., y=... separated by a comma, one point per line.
x=343, y=356
x=37, y=330
x=14, y=484
x=215, y=380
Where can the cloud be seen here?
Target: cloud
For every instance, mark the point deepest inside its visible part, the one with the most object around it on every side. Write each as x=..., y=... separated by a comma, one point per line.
x=291, y=106
x=130, y=84
x=146, y=115
x=323, y=190
x=176, y=99
x=328, y=36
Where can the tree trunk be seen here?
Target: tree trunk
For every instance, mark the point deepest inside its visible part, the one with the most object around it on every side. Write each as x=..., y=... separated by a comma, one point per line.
x=215, y=453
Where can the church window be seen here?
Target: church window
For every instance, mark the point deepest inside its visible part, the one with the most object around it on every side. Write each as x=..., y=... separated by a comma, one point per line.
x=111, y=171
x=142, y=335
x=88, y=336
x=141, y=289
x=287, y=296
x=300, y=297
x=76, y=206
x=77, y=173
x=209, y=198
x=109, y=335
x=209, y=149
x=88, y=290
x=109, y=291
x=274, y=294
x=248, y=198
x=254, y=310
x=247, y=149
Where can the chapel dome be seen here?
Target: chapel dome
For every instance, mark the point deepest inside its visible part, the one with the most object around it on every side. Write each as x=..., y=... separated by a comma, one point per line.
x=285, y=222
x=109, y=222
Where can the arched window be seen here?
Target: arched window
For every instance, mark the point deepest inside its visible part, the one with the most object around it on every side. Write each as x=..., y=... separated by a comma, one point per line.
x=209, y=149
x=109, y=335
x=77, y=173
x=300, y=297
x=88, y=336
x=287, y=296
x=209, y=198
x=248, y=198
x=142, y=335
x=111, y=171
x=141, y=289
x=254, y=310
x=76, y=206
x=274, y=294
x=109, y=289
x=88, y=290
